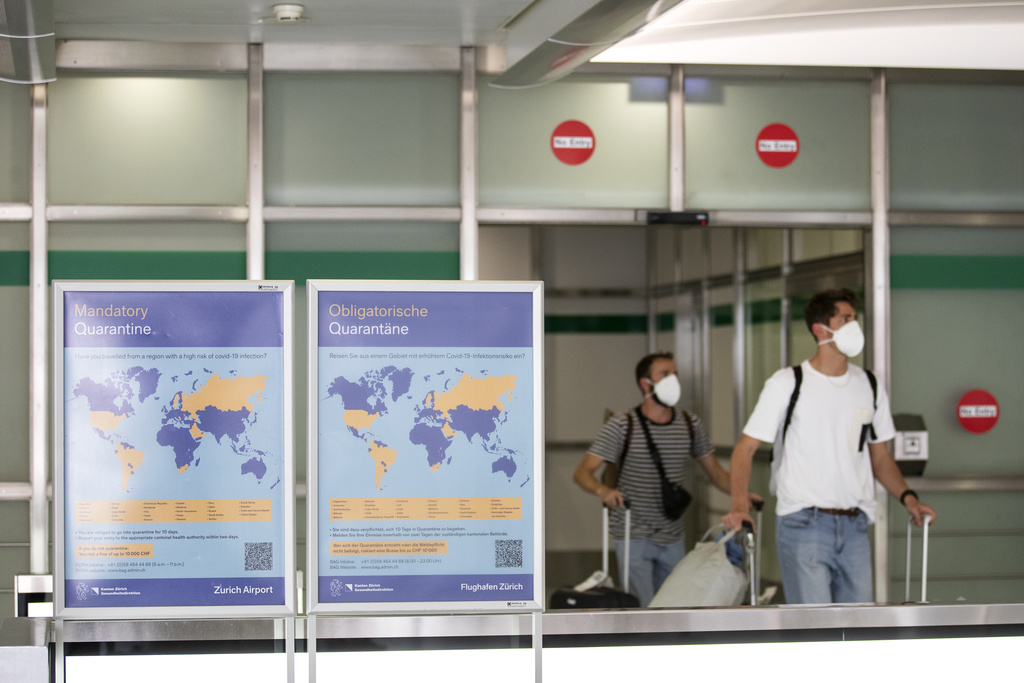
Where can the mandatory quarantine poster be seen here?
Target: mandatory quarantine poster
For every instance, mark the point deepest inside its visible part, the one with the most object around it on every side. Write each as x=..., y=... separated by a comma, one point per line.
x=174, y=470
x=425, y=473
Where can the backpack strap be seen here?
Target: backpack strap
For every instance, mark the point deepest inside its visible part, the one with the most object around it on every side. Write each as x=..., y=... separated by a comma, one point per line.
x=798, y=373
x=629, y=436
x=689, y=426
x=652, y=447
x=868, y=430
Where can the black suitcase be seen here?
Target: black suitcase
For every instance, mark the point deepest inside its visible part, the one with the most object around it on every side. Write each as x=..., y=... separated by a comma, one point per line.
x=598, y=597
x=595, y=598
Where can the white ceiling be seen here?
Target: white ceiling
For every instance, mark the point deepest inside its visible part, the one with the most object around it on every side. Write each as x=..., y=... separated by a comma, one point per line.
x=534, y=41
x=902, y=33
x=975, y=34
x=446, y=23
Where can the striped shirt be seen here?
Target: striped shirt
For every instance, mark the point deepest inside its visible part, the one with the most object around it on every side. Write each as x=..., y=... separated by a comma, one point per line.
x=638, y=478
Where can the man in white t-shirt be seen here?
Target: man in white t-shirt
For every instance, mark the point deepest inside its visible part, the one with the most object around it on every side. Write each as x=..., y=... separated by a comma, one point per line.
x=828, y=453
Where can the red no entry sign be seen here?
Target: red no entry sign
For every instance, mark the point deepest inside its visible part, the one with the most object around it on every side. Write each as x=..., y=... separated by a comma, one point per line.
x=572, y=142
x=777, y=145
x=978, y=411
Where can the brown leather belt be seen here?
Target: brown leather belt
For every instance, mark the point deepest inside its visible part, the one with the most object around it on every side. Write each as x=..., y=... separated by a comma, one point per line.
x=851, y=512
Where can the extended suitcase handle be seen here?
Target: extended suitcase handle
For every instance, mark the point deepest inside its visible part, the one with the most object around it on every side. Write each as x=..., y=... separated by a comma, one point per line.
x=924, y=561
x=753, y=548
x=606, y=545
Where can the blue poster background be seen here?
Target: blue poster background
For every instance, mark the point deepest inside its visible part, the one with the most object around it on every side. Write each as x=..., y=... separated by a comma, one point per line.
x=446, y=413
x=197, y=419
x=173, y=319
x=462, y=319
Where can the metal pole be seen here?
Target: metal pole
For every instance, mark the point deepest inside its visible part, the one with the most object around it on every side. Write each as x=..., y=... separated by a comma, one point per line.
x=39, y=396
x=538, y=645
x=685, y=313
x=311, y=646
x=786, y=312
x=705, y=325
x=906, y=592
x=878, y=299
x=676, y=139
x=652, y=282
x=926, y=519
x=255, y=232
x=739, y=329
x=469, y=229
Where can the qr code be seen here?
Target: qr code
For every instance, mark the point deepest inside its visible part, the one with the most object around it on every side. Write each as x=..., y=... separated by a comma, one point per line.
x=259, y=556
x=508, y=553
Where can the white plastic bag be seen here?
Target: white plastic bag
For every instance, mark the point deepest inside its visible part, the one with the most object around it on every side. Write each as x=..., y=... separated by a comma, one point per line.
x=704, y=578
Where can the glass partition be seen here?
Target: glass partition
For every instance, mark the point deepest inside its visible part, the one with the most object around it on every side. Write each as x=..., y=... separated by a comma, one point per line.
x=153, y=139
x=506, y=252
x=722, y=420
x=829, y=119
x=15, y=142
x=956, y=147
x=374, y=251
x=763, y=342
x=14, y=549
x=723, y=252
x=628, y=123
x=957, y=315
x=976, y=524
x=14, y=340
x=811, y=244
x=147, y=251
x=957, y=322
x=764, y=249
x=362, y=139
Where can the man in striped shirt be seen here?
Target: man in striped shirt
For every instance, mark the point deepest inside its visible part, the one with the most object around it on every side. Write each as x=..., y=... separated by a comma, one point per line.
x=656, y=540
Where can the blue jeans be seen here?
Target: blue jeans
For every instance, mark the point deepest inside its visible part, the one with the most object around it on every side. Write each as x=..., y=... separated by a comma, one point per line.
x=824, y=558
x=649, y=565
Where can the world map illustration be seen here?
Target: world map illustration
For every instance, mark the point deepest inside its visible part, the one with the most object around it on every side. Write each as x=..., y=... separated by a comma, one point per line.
x=203, y=406
x=426, y=415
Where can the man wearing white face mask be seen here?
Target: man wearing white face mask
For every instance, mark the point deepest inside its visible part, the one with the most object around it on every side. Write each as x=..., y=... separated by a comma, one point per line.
x=656, y=536
x=830, y=426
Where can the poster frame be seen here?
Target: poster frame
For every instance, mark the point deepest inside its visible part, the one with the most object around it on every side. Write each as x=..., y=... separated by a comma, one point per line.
x=317, y=607
x=286, y=521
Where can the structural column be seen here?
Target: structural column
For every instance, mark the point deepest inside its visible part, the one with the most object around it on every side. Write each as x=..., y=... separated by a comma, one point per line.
x=469, y=229
x=39, y=344
x=255, y=232
x=878, y=300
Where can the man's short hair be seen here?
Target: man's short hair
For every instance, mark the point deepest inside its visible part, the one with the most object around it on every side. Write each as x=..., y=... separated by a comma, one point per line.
x=643, y=368
x=822, y=305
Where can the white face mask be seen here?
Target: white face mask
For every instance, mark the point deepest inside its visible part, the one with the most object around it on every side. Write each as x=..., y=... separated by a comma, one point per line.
x=849, y=339
x=667, y=390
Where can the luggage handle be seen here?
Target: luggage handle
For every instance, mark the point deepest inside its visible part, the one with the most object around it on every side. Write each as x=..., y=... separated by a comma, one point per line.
x=753, y=548
x=755, y=580
x=605, y=543
x=926, y=519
